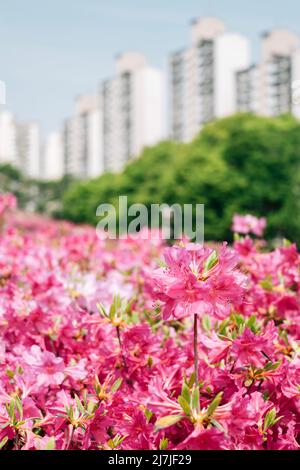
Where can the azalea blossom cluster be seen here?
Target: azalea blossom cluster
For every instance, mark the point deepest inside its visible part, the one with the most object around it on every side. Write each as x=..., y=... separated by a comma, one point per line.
x=96, y=342
x=249, y=224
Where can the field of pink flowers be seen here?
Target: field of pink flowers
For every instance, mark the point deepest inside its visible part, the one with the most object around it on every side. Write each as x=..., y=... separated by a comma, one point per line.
x=130, y=344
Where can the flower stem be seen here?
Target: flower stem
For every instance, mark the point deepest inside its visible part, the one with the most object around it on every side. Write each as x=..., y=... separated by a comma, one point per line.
x=196, y=348
x=121, y=349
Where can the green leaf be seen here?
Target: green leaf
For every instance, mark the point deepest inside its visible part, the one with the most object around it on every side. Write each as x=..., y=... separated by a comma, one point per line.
x=251, y=323
x=223, y=326
x=79, y=404
x=11, y=410
x=116, y=385
x=84, y=398
x=217, y=425
x=196, y=399
x=163, y=445
x=272, y=365
x=211, y=261
x=91, y=407
x=148, y=414
x=266, y=284
x=206, y=323
x=50, y=444
x=116, y=441
x=266, y=395
x=70, y=413
x=150, y=361
x=3, y=426
x=161, y=263
x=129, y=304
x=3, y=442
x=167, y=421
x=270, y=419
x=184, y=405
x=185, y=393
x=101, y=309
x=111, y=444
x=239, y=319
x=19, y=407
x=214, y=405
x=10, y=373
x=61, y=415
x=191, y=382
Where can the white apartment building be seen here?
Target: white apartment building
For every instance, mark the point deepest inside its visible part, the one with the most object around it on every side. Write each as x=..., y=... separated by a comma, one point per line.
x=67, y=139
x=8, y=150
x=203, y=77
x=82, y=139
x=296, y=84
x=133, y=110
x=52, y=165
x=28, y=149
x=20, y=144
x=266, y=88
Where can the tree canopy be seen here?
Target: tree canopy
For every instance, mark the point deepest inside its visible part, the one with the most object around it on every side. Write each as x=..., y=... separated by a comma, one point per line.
x=241, y=164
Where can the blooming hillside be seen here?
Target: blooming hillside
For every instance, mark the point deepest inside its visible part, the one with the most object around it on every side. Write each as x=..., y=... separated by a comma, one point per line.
x=131, y=345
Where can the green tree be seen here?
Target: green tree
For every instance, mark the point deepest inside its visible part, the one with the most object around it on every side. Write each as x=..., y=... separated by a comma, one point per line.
x=241, y=164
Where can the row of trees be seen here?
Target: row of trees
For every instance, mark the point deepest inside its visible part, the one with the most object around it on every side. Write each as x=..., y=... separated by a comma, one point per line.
x=34, y=195
x=241, y=164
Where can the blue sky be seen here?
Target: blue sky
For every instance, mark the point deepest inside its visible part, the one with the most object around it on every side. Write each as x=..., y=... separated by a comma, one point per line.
x=52, y=51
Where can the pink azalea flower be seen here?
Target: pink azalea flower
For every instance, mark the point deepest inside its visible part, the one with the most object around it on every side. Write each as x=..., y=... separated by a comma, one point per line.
x=197, y=280
x=286, y=438
x=245, y=247
x=254, y=349
x=77, y=371
x=249, y=224
x=204, y=439
x=248, y=410
x=48, y=368
x=291, y=384
x=71, y=388
x=217, y=348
